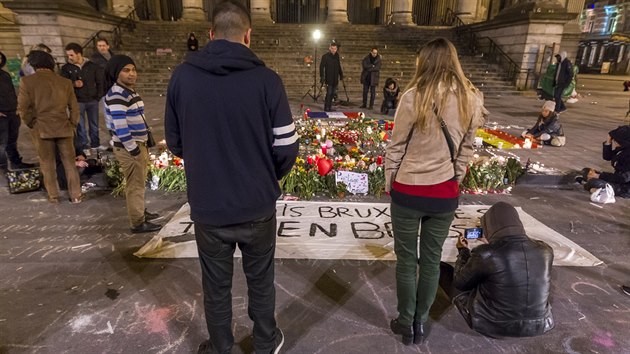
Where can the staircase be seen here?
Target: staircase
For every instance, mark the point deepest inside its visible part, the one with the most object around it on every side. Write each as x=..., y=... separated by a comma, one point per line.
x=283, y=48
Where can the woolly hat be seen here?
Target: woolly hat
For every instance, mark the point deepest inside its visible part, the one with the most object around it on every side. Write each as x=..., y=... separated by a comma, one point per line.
x=114, y=66
x=621, y=135
x=41, y=60
x=550, y=105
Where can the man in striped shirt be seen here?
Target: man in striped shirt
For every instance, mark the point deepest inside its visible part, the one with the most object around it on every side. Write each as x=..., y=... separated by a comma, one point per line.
x=125, y=112
x=228, y=116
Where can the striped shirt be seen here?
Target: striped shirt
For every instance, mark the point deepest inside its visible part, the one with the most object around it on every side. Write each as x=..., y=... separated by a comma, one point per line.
x=124, y=111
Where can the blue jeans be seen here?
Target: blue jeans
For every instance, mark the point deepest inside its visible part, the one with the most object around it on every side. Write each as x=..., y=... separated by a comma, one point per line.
x=257, y=242
x=89, y=109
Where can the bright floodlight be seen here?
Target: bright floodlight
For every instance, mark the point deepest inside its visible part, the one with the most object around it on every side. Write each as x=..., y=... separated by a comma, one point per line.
x=317, y=34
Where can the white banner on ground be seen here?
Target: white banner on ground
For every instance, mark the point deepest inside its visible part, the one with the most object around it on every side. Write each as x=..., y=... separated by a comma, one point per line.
x=359, y=231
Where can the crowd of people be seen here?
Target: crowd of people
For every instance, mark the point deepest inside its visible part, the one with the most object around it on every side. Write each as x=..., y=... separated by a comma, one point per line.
x=256, y=144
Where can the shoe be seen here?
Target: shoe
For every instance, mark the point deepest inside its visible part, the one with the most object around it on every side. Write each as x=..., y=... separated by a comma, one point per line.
x=75, y=200
x=150, y=216
x=370, y=107
x=418, y=333
x=145, y=227
x=579, y=179
x=362, y=106
x=626, y=289
x=20, y=165
x=205, y=347
x=405, y=331
x=279, y=341
x=102, y=148
x=53, y=200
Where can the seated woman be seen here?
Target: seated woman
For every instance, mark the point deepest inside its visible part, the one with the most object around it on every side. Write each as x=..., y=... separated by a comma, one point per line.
x=616, y=149
x=390, y=95
x=193, y=43
x=547, y=129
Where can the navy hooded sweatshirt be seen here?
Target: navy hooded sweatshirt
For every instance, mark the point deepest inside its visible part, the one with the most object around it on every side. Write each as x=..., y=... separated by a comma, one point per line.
x=228, y=117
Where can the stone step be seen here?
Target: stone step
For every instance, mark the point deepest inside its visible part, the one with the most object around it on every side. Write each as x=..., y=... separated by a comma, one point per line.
x=283, y=48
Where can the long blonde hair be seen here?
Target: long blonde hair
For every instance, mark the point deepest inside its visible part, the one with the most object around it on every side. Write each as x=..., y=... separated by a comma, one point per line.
x=438, y=73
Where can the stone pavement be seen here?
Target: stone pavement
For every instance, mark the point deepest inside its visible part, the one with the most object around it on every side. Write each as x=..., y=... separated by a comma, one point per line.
x=70, y=284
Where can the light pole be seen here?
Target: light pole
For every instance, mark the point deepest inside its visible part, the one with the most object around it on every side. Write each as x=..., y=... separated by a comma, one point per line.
x=317, y=34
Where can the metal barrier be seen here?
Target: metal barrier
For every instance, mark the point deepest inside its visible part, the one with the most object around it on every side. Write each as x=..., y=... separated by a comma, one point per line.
x=129, y=22
x=486, y=47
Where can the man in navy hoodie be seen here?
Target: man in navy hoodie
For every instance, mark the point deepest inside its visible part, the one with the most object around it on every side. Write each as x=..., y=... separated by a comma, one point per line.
x=228, y=117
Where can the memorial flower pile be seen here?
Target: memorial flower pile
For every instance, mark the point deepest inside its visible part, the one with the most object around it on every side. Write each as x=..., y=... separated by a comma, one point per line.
x=337, y=156
x=495, y=174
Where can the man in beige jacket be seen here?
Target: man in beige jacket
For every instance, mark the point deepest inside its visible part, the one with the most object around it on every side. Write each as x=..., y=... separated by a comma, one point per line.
x=47, y=105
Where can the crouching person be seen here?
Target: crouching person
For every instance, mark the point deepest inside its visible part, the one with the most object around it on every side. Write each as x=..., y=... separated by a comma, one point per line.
x=504, y=283
x=547, y=129
x=615, y=149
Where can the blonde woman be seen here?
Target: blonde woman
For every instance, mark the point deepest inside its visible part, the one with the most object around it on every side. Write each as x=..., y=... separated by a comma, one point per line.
x=423, y=176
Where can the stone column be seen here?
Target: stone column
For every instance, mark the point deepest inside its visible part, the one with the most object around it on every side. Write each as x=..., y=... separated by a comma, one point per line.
x=401, y=15
x=337, y=11
x=260, y=10
x=122, y=8
x=193, y=10
x=467, y=10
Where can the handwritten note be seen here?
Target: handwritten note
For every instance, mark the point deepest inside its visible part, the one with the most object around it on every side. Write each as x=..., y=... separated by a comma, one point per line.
x=356, y=183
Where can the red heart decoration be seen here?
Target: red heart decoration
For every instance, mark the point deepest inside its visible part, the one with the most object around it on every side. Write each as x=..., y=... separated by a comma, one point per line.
x=324, y=166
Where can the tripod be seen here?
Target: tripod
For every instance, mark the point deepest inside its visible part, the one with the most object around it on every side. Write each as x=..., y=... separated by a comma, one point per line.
x=314, y=95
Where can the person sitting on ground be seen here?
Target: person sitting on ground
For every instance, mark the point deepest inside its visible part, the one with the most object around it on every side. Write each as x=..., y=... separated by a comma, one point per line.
x=85, y=167
x=502, y=286
x=616, y=149
x=547, y=129
x=390, y=95
x=193, y=43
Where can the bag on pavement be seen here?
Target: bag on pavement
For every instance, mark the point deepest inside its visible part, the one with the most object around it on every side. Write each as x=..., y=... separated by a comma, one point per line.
x=604, y=195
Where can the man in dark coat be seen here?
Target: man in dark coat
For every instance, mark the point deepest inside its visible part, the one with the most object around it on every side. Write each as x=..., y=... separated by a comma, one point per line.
x=616, y=149
x=564, y=75
x=370, y=75
x=330, y=73
x=505, y=282
x=9, y=121
x=103, y=53
x=88, y=80
x=234, y=160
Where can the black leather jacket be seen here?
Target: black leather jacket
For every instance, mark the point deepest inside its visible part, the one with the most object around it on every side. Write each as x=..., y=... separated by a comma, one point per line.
x=508, y=279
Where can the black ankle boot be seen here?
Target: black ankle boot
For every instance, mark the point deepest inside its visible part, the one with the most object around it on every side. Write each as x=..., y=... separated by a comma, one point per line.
x=405, y=331
x=418, y=332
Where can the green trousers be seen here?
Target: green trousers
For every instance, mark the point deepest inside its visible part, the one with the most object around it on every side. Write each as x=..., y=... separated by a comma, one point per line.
x=416, y=293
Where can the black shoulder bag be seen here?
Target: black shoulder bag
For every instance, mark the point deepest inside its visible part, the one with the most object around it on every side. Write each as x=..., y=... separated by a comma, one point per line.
x=447, y=135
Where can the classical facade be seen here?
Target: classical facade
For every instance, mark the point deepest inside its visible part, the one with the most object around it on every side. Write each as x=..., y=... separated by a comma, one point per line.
x=523, y=30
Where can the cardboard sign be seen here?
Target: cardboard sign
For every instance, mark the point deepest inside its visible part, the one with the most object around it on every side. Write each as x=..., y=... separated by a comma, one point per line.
x=358, y=231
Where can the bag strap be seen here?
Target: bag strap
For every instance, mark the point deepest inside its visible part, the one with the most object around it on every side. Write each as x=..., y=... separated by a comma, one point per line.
x=447, y=135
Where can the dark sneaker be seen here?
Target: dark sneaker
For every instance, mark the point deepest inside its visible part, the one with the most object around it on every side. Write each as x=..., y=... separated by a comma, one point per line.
x=205, y=347
x=279, y=341
x=405, y=331
x=150, y=216
x=145, y=227
x=579, y=179
x=626, y=289
x=20, y=165
x=363, y=106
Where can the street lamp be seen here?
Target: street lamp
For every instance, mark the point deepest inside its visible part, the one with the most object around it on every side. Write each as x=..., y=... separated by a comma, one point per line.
x=317, y=34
